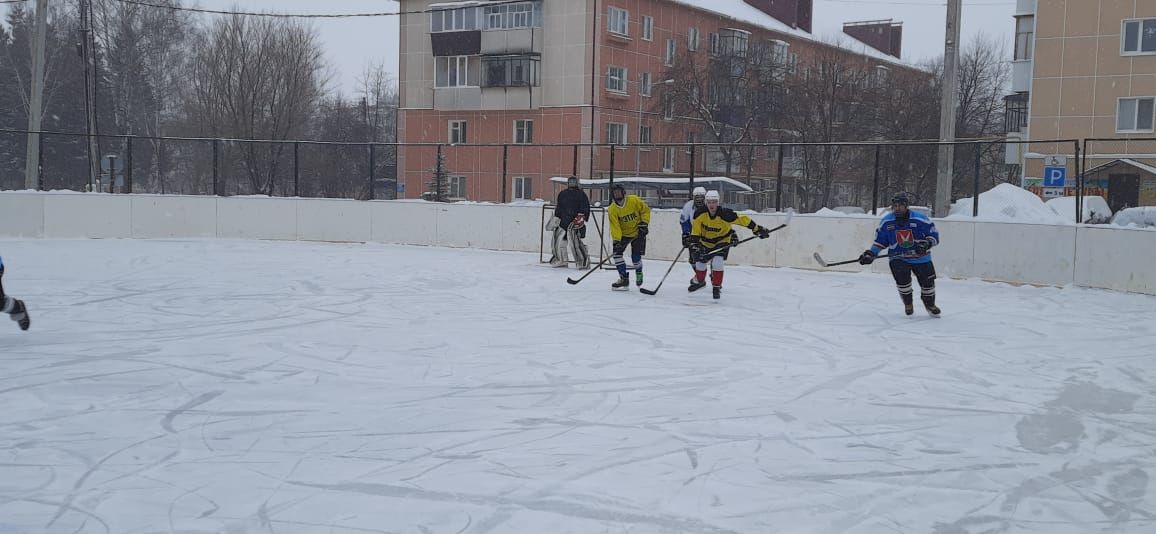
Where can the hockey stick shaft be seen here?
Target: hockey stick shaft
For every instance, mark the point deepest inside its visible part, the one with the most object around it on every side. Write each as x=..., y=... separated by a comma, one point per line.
x=733, y=245
x=838, y=263
x=668, y=269
x=572, y=281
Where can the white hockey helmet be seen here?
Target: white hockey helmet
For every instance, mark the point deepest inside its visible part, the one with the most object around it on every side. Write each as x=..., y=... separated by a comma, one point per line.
x=712, y=195
x=699, y=192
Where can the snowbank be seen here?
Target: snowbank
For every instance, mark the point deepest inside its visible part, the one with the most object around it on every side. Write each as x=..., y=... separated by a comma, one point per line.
x=1096, y=210
x=1006, y=202
x=1144, y=217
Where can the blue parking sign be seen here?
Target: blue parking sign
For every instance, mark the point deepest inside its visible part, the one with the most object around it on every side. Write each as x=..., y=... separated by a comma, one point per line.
x=1055, y=176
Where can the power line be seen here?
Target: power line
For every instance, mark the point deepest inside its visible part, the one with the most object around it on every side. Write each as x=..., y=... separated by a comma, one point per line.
x=12, y=1
x=292, y=15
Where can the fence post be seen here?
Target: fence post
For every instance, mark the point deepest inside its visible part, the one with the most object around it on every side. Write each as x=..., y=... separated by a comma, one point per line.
x=128, y=165
x=216, y=165
x=1079, y=186
x=613, y=149
x=40, y=162
x=779, y=185
x=438, y=176
x=505, y=171
x=574, y=171
x=692, y=153
x=372, y=164
x=975, y=183
x=875, y=186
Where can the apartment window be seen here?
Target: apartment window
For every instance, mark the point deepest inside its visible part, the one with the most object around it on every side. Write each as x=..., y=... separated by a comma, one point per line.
x=692, y=39
x=644, y=86
x=512, y=71
x=616, y=79
x=714, y=44
x=452, y=71
x=668, y=154
x=616, y=133
x=671, y=50
x=618, y=21
x=523, y=132
x=457, y=132
x=1140, y=36
x=668, y=108
x=732, y=42
x=648, y=28
x=457, y=187
x=1135, y=115
x=1025, y=37
x=523, y=188
x=644, y=135
x=779, y=51
x=453, y=20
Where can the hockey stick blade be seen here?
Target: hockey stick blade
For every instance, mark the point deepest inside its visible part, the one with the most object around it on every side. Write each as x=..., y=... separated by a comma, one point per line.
x=645, y=291
x=819, y=259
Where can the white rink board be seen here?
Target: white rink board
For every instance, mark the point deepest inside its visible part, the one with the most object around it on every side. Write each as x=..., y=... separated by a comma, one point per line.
x=1008, y=252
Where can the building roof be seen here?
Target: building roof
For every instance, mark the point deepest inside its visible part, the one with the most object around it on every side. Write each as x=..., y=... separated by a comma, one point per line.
x=741, y=11
x=1126, y=161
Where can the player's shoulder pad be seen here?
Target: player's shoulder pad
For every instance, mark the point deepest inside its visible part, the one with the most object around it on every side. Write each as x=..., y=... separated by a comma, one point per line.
x=727, y=214
x=700, y=211
x=920, y=216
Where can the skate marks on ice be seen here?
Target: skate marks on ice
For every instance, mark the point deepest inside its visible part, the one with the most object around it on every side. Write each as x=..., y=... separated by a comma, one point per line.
x=257, y=387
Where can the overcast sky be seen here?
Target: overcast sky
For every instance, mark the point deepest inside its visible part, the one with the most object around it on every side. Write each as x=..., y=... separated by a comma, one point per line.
x=351, y=44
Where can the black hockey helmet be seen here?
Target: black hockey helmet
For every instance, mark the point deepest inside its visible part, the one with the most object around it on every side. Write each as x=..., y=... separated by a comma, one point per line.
x=617, y=192
x=901, y=198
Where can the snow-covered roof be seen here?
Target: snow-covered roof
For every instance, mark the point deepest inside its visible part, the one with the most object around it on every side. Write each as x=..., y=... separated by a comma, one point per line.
x=1132, y=162
x=742, y=11
x=651, y=182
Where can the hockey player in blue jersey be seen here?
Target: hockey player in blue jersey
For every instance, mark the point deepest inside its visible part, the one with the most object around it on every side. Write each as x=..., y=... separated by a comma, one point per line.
x=909, y=237
x=697, y=202
x=13, y=307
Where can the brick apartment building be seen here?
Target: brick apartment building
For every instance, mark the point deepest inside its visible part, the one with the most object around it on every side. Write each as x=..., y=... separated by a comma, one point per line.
x=581, y=71
x=1087, y=69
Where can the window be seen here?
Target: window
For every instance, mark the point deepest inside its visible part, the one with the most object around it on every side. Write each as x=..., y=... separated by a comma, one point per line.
x=616, y=133
x=1025, y=35
x=644, y=135
x=648, y=28
x=714, y=44
x=616, y=79
x=457, y=132
x=452, y=71
x=644, y=84
x=523, y=132
x=1135, y=114
x=668, y=159
x=667, y=108
x=779, y=51
x=671, y=50
x=1140, y=36
x=453, y=20
x=512, y=71
x=457, y=187
x=732, y=42
x=618, y=21
x=692, y=39
x=512, y=16
x=523, y=188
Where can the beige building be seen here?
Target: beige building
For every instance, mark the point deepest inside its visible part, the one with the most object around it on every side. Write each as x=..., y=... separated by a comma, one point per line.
x=1086, y=69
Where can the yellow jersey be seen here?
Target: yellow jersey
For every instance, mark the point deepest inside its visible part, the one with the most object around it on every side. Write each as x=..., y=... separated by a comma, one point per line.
x=624, y=219
x=715, y=230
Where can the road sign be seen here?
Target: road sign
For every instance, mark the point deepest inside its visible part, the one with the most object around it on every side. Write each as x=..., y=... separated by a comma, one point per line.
x=1055, y=176
x=401, y=187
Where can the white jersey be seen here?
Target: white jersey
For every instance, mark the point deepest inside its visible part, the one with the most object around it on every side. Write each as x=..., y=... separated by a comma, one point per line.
x=687, y=216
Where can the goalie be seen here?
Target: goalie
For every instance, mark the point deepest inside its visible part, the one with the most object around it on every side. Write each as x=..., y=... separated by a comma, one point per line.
x=569, y=226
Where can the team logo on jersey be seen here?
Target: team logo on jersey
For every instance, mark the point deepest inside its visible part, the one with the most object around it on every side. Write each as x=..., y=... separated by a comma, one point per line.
x=905, y=238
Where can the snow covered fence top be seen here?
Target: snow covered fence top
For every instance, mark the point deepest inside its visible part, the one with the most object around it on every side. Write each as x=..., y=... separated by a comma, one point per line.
x=721, y=183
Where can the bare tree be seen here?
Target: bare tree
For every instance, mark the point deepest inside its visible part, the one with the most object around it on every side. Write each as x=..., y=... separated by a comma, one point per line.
x=255, y=79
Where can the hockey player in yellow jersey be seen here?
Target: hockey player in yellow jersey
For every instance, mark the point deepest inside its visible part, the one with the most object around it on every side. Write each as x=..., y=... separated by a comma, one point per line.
x=629, y=223
x=711, y=237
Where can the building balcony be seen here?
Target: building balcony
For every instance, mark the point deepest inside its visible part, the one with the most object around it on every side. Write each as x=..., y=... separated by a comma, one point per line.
x=516, y=41
x=458, y=98
x=1022, y=75
x=460, y=43
x=1015, y=113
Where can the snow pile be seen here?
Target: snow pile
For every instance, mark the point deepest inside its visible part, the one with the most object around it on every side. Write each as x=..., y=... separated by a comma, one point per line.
x=1096, y=210
x=828, y=212
x=1008, y=203
x=1144, y=217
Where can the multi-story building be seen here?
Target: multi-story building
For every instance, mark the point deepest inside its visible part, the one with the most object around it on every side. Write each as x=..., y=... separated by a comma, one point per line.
x=580, y=72
x=1086, y=69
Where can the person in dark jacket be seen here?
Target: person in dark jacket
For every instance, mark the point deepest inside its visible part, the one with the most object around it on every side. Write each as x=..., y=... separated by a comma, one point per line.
x=15, y=308
x=569, y=226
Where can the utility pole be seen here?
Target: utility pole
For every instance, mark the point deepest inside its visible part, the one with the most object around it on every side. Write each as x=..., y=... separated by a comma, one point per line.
x=947, y=108
x=36, y=105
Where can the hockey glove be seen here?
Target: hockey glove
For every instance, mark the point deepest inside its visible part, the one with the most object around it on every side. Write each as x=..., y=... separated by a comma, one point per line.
x=579, y=221
x=922, y=246
x=867, y=258
x=643, y=229
x=762, y=232
x=697, y=253
x=687, y=240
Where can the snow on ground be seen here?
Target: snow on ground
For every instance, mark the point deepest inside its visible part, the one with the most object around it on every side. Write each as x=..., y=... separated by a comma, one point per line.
x=235, y=386
x=1095, y=210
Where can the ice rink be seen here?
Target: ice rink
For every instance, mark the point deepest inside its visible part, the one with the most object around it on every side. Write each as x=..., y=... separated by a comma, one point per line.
x=272, y=387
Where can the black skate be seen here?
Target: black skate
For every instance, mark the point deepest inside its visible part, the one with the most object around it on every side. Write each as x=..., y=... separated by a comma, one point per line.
x=638, y=279
x=20, y=315
x=717, y=292
x=696, y=285
x=623, y=284
x=909, y=308
x=932, y=310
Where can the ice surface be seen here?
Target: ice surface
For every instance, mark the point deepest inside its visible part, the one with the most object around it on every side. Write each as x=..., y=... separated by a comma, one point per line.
x=236, y=386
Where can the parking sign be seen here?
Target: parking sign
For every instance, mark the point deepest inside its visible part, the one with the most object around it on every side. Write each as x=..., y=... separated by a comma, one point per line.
x=1055, y=171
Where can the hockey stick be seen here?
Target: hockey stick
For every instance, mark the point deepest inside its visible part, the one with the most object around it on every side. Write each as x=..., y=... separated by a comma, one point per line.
x=819, y=259
x=671, y=268
x=572, y=281
x=771, y=231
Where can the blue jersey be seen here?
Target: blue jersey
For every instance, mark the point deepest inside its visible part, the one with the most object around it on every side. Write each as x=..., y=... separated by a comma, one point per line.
x=899, y=236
